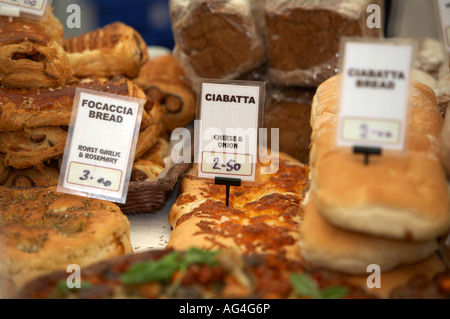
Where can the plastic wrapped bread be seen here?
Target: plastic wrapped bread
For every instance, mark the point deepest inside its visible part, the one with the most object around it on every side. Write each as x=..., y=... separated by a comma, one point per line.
x=289, y=110
x=303, y=37
x=219, y=39
x=403, y=196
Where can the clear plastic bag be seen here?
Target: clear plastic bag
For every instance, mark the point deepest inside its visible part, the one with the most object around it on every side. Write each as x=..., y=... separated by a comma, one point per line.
x=303, y=37
x=220, y=39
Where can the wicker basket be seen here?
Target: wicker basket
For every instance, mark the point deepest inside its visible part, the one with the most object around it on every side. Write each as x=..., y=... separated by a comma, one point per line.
x=149, y=196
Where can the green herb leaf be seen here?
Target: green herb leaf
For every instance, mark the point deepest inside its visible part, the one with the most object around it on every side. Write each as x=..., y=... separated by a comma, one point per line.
x=63, y=290
x=198, y=256
x=334, y=292
x=305, y=286
x=161, y=269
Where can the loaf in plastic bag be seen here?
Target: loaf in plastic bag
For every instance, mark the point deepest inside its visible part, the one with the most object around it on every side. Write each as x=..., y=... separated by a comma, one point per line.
x=289, y=110
x=303, y=37
x=219, y=39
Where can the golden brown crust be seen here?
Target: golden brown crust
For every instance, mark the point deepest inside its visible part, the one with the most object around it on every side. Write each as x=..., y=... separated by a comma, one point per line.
x=31, y=58
x=31, y=148
x=150, y=135
x=31, y=177
x=115, y=49
x=43, y=231
x=324, y=245
x=258, y=219
x=20, y=108
x=164, y=80
x=401, y=196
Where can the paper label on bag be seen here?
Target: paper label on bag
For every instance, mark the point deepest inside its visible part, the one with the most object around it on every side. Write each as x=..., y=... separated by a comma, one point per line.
x=228, y=134
x=374, y=94
x=100, y=145
x=28, y=7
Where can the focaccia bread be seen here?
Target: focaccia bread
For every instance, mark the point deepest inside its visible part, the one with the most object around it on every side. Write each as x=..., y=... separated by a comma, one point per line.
x=33, y=147
x=42, y=231
x=399, y=196
x=30, y=57
x=164, y=81
x=303, y=37
x=217, y=39
x=263, y=218
x=22, y=108
x=115, y=49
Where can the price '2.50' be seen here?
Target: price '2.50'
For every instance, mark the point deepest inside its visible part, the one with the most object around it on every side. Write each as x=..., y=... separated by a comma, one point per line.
x=230, y=166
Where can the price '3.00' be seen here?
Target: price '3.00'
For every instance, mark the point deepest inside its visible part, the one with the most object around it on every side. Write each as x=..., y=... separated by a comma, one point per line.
x=101, y=180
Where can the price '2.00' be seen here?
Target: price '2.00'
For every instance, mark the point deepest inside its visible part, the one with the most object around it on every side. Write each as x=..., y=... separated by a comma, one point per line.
x=230, y=166
x=87, y=175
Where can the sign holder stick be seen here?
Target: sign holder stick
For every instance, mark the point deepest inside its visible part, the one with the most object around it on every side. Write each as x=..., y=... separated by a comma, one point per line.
x=228, y=182
x=367, y=151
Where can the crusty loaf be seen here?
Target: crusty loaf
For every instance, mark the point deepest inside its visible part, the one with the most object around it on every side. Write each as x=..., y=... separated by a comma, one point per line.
x=400, y=196
x=289, y=111
x=303, y=37
x=445, y=140
x=325, y=245
x=115, y=49
x=217, y=39
x=42, y=231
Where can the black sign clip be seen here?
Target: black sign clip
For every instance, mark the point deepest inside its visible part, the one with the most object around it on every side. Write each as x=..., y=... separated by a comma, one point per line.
x=228, y=182
x=367, y=151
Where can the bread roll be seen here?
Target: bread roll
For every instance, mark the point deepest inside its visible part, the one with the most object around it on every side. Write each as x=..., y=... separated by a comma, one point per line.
x=325, y=245
x=30, y=56
x=115, y=49
x=399, y=196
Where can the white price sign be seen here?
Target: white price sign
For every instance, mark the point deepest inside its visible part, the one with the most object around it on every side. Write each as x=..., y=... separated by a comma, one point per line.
x=374, y=94
x=443, y=7
x=228, y=132
x=100, y=145
x=15, y=7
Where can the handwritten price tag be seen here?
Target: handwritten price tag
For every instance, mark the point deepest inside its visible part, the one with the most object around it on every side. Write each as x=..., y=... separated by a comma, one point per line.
x=100, y=145
x=374, y=94
x=227, y=164
x=94, y=176
x=229, y=121
x=443, y=8
x=31, y=7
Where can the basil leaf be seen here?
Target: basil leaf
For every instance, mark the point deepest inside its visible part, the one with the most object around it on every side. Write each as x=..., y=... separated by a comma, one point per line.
x=63, y=290
x=198, y=256
x=155, y=270
x=305, y=286
x=334, y=292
